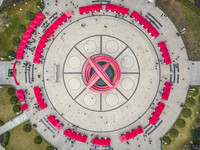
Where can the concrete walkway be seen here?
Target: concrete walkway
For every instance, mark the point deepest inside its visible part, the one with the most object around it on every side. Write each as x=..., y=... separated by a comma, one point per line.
x=194, y=72
x=1, y=148
x=13, y=123
x=1, y=1
x=4, y=79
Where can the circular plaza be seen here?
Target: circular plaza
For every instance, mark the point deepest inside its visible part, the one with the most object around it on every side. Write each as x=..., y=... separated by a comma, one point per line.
x=103, y=75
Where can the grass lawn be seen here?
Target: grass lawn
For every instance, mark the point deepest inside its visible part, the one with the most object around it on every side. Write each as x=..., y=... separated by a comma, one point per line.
x=185, y=134
x=184, y=14
x=14, y=18
x=20, y=140
x=6, y=107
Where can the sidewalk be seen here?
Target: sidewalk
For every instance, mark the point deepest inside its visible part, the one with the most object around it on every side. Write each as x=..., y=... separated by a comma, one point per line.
x=194, y=72
x=13, y=123
x=4, y=79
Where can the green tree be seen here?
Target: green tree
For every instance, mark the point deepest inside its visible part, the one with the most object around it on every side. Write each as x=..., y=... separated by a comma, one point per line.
x=180, y=123
x=27, y=128
x=167, y=140
x=11, y=91
x=16, y=108
x=173, y=133
x=190, y=102
x=14, y=100
x=11, y=53
x=196, y=134
x=186, y=112
x=30, y=15
x=38, y=140
x=16, y=41
x=21, y=28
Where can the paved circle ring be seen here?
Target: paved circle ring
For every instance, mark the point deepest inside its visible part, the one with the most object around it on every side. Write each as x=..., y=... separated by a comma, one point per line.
x=90, y=81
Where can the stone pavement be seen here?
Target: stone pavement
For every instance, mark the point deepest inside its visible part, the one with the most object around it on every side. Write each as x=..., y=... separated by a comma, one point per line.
x=155, y=146
x=1, y=1
x=13, y=123
x=1, y=148
x=4, y=79
x=194, y=72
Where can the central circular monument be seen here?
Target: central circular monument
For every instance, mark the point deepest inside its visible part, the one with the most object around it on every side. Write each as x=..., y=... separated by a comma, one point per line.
x=101, y=73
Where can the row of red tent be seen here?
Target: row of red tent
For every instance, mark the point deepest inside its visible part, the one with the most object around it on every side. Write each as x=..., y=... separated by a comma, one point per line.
x=131, y=134
x=37, y=20
x=117, y=9
x=146, y=24
x=76, y=136
x=21, y=97
x=165, y=52
x=101, y=141
x=98, y=8
x=153, y=119
x=63, y=18
x=90, y=8
x=55, y=122
x=39, y=98
x=123, y=10
x=166, y=90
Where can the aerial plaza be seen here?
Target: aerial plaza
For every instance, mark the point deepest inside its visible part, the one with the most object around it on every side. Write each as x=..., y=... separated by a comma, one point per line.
x=102, y=75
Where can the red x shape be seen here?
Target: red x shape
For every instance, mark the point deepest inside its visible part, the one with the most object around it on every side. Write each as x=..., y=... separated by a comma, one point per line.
x=100, y=73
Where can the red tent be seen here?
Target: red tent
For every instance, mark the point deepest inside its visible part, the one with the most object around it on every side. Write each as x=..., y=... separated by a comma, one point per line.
x=24, y=106
x=122, y=138
x=40, y=16
x=140, y=130
x=20, y=95
x=68, y=14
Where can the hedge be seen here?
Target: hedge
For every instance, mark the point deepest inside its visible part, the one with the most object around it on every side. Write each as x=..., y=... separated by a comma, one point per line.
x=190, y=102
x=166, y=139
x=6, y=137
x=16, y=108
x=38, y=140
x=14, y=100
x=180, y=123
x=27, y=128
x=186, y=112
x=173, y=133
x=11, y=91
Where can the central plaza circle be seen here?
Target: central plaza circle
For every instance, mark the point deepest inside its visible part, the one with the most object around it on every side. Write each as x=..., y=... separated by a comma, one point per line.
x=136, y=57
x=103, y=75
x=107, y=71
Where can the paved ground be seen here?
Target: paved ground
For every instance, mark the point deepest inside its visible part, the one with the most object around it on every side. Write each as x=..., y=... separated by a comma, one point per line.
x=4, y=79
x=1, y=1
x=194, y=69
x=140, y=87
